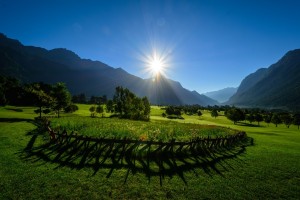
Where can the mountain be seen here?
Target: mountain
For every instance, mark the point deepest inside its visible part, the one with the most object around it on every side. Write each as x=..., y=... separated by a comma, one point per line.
x=277, y=86
x=34, y=64
x=222, y=95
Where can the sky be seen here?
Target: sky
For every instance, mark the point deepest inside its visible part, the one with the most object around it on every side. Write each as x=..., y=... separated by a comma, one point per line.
x=206, y=45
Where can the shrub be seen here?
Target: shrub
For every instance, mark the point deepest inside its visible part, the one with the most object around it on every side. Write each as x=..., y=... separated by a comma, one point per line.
x=71, y=108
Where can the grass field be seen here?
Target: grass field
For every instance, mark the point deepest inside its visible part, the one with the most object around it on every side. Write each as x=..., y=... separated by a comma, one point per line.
x=156, y=130
x=269, y=169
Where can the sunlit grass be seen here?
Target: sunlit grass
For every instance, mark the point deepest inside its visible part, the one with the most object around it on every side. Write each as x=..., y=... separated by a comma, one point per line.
x=120, y=128
x=267, y=170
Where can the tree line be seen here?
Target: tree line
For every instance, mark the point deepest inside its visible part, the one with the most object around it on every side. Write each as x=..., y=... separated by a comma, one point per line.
x=46, y=97
x=237, y=114
x=257, y=115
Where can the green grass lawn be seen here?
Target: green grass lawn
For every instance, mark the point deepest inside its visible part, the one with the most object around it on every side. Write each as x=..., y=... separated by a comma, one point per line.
x=269, y=169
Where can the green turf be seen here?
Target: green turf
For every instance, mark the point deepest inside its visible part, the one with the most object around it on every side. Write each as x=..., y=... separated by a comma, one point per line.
x=267, y=170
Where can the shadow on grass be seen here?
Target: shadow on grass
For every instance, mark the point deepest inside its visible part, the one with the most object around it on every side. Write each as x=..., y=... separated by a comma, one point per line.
x=12, y=120
x=151, y=160
x=247, y=124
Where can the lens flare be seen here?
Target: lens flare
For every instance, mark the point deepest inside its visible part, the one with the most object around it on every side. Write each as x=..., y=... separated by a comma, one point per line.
x=156, y=64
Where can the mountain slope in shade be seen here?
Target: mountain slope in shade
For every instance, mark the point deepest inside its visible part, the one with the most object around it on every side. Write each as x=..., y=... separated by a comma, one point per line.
x=33, y=64
x=277, y=86
x=222, y=95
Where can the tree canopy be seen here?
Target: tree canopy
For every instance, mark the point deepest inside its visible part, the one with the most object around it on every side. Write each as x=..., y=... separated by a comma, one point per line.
x=235, y=115
x=129, y=106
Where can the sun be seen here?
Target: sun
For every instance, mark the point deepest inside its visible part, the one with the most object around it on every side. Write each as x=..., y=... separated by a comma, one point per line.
x=156, y=64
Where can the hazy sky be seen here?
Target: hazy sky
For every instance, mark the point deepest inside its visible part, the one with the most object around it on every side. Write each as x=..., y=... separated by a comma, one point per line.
x=208, y=44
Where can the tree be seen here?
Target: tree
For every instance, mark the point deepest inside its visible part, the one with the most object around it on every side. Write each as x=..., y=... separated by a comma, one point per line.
x=79, y=98
x=71, y=108
x=147, y=108
x=10, y=91
x=128, y=105
x=276, y=119
x=172, y=110
x=235, y=115
x=258, y=117
x=119, y=100
x=199, y=113
x=93, y=111
x=250, y=118
x=296, y=120
x=40, y=96
x=61, y=96
x=214, y=113
x=286, y=119
x=100, y=109
x=267, y=118
x=110, y=106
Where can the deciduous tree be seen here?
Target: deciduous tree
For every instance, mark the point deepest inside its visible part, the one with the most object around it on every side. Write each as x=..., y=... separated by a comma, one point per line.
x=276, y=119
x=235, y=115
x=214, y=113
x=61, y=96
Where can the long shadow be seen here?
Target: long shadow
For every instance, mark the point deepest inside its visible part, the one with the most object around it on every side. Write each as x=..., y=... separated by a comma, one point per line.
x=247, y=124
x=12, y=120
x=152, y=160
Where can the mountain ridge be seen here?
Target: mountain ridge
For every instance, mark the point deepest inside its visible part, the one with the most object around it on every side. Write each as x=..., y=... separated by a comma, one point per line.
x=221, y=95
x=33, y=64
x=277, y=86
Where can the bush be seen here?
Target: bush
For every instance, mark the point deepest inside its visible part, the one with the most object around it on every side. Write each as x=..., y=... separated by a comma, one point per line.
x=71, y=108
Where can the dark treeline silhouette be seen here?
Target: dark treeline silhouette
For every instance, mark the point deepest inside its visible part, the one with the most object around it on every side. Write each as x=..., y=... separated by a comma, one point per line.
x=83, y=99
x=46, y=97
x=259, y=115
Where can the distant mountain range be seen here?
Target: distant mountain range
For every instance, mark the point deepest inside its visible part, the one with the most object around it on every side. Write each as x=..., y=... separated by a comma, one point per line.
x=275, y=87
x=34, y=64
x=222, y=95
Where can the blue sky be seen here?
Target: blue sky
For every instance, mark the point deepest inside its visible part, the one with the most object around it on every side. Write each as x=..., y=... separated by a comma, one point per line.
x=208, y=44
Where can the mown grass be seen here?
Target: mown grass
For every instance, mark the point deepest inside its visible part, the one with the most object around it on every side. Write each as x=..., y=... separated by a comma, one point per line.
x=267, y=170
